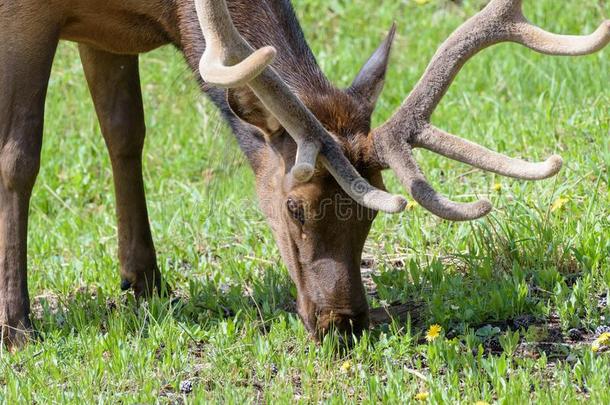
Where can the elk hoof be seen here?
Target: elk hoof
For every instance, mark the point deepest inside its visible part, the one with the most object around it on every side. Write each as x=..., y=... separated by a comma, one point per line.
x=146, y=284
x=16, y=337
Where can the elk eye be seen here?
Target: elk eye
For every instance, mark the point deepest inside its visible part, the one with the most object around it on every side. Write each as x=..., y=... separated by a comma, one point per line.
x=296, y=210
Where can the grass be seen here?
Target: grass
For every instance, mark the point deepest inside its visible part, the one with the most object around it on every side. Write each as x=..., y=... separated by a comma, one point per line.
x=519, y=294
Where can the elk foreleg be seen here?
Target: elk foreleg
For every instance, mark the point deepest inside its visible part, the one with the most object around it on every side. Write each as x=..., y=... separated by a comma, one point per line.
x=114, y=83
x=25, y=65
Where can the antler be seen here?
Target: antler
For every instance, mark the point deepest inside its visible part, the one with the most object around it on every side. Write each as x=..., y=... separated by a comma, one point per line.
x=500, y=21
x=229, y=61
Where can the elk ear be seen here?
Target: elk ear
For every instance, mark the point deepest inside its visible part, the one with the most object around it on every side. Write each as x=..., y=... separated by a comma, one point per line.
x=369, y=82
x=247, y=107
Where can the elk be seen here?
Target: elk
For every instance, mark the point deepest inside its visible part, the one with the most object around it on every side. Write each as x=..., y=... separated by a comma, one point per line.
x=309, y=143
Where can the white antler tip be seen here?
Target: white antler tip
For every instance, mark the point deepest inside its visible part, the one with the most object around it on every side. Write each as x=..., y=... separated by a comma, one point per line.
x=385, y=202
x=482, y=208
x=302, y=172
x=268, y=53
x=214, y=72
x=396, y=204
x=604, y=32
x=605, y=29
x=555, y=164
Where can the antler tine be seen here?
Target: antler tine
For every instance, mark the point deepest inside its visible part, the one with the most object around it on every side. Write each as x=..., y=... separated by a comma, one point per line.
x=225, y=46
x=499, y=21
x=464, y=151
x=568, y=45
x=228, y=60
x=548, y=43
x=411, y=176
x=358, y=188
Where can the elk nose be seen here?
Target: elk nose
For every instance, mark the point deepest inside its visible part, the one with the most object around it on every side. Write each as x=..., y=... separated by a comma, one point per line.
x=345, y=326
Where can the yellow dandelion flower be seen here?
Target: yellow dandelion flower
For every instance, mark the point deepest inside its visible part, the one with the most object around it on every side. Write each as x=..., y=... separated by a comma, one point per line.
x=412, y=205
x=422, y=396
x=604, y=339
x=481, y=403
x=346, y=366
x=433, y=332
x=595, y=347
x=559, y=203
x=498, y=187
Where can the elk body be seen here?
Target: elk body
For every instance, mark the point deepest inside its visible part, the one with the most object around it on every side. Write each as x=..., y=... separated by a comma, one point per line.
x=309, y=143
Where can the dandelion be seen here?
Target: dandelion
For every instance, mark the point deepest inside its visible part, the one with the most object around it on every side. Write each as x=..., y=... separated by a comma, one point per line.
x=604, y=339
x=498, y=187
x=412, y=205
x=559, y=203
x=433, y=332
x=481, y=403
x=422, y=396
x=346, y=366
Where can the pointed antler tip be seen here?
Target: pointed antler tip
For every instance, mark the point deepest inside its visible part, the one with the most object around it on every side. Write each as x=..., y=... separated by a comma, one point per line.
x=214, y=72
x=302, y=172
x=269, y=52
x=606, y=27
x=396, y=204
x=385, y=202
x=482, y=208
x=555, y=163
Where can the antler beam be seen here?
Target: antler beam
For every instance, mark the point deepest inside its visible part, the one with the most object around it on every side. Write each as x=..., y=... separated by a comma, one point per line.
x=499, y=21
x=229, y=61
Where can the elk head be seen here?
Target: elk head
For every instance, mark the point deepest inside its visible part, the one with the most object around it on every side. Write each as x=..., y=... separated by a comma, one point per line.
x=319, y=176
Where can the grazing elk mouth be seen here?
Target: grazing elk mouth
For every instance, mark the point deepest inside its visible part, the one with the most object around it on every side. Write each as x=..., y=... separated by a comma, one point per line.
x=344, y=322
x=330, y=295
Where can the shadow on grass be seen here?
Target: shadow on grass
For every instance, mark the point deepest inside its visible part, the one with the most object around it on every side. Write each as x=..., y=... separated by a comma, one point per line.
x=203, y=303
x=262, y=300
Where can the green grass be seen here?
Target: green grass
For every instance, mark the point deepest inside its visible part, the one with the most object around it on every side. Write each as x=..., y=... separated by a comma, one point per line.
x=236, y=338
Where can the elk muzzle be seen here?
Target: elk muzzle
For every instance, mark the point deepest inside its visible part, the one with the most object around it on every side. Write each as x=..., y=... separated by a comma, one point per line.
x=332, y=299
x=345, y=322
